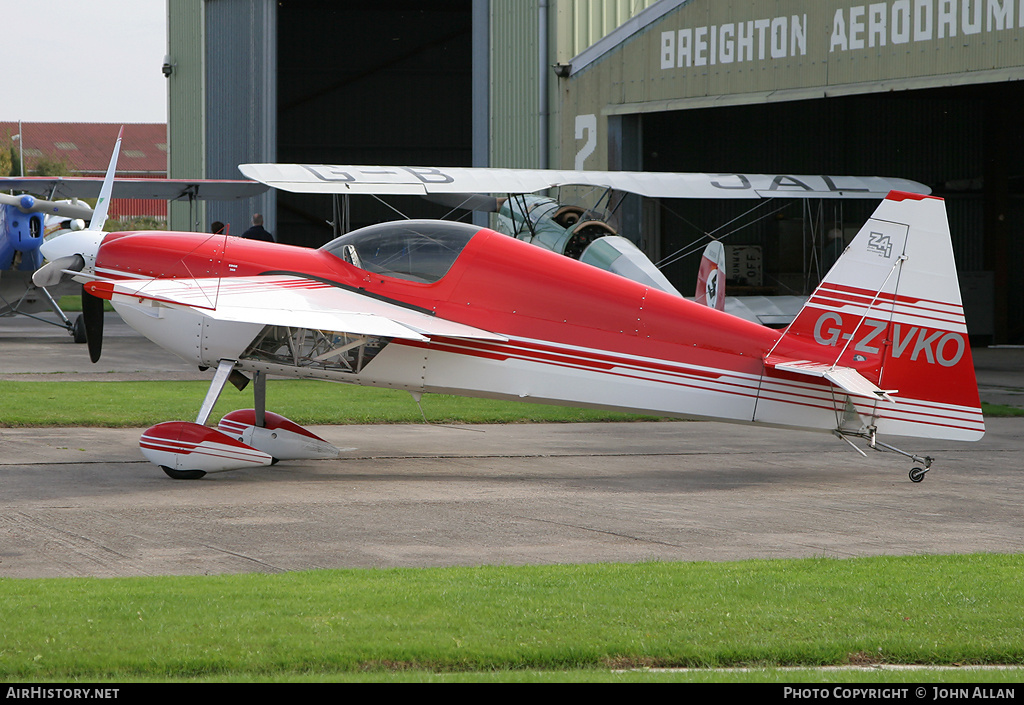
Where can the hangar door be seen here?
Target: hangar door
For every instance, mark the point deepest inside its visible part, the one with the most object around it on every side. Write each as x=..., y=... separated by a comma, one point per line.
x=962, y=142
x=387, y=82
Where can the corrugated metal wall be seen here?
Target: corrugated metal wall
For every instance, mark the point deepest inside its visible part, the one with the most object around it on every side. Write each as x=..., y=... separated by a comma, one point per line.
x=515, y=84
x=241, y=102
x=527, y=37
x=222, y=102
x=583, y=22
x=186, y=133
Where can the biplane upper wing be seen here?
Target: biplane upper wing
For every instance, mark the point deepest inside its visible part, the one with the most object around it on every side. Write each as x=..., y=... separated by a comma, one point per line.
x=158, y=189
x=287, y=300
x=412, y=180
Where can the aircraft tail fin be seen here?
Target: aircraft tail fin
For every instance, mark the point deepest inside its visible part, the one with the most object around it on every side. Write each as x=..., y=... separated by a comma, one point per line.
x=886, y=326
x=711, y=277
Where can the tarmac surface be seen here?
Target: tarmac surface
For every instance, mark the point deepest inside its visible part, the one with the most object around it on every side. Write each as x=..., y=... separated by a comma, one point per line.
x=83, y=501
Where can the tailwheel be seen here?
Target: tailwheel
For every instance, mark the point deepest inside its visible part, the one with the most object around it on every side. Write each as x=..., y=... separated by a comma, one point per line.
x=916, y=474
x=182, y=474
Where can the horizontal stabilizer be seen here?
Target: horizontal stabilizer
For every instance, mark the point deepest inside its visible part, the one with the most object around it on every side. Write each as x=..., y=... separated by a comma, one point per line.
x=846, y=378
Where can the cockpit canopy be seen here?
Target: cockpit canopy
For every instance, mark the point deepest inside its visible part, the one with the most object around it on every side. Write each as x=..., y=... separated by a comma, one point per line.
x=415, y=250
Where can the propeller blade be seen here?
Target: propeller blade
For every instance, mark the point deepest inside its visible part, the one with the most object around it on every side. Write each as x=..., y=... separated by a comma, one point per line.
x=53, y=273
x=92, y=313
x=30, y=204
x=99, y=216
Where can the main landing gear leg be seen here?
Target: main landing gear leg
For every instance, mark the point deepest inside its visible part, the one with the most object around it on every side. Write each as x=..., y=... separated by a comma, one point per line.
x=76, y=329
x=245, y=438
x=916, y=474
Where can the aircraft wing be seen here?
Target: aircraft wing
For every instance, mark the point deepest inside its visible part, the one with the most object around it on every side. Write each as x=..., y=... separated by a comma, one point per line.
x=296, y=302
x=412, y=180
x=158, y=189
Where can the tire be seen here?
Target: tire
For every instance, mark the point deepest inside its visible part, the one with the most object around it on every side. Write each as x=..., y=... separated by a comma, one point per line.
x=78, y=330
x=182, y=474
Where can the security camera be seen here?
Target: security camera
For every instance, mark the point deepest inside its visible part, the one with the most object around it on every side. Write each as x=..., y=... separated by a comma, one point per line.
x=562, y=70
x=168, y=67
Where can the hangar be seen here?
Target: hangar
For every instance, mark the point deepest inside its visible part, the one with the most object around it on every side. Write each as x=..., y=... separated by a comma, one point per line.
x=928, y=90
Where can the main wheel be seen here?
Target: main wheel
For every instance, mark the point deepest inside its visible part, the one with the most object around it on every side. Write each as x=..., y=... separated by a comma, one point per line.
x=182, y=474
x=78, y=330
x=917, y=474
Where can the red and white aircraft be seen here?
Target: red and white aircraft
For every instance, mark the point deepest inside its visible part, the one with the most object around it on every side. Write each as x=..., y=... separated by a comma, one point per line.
x=880, y=348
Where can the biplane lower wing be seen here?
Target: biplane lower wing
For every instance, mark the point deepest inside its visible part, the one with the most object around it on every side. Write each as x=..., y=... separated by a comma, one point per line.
x=157, y=189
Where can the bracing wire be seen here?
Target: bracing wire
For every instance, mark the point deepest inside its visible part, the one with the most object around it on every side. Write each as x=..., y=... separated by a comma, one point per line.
x=697, y=244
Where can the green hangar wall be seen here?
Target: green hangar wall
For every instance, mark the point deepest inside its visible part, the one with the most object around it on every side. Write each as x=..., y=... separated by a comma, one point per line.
x=928, y=90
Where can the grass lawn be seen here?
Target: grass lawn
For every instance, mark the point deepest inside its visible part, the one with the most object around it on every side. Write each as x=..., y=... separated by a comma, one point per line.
x=602, y=622
x=517, y=622
x=303, y=401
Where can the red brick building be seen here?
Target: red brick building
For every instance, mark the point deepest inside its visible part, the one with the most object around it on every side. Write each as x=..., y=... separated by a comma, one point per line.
x=85, y=149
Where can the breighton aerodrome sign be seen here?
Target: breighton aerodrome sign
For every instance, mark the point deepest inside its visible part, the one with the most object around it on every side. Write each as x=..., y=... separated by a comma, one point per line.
x=857, y=27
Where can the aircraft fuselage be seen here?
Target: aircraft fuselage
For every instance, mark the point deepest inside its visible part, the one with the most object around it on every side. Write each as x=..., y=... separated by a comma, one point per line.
x=573, y=335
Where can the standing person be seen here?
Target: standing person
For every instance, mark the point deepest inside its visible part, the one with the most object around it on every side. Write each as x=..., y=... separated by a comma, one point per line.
x=257, y=231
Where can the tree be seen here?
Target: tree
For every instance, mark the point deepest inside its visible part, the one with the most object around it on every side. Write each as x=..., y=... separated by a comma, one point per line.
x=50, y=166
x=10, y=160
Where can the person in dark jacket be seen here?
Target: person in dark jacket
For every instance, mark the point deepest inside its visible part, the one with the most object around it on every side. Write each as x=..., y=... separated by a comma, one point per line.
x=257, y=231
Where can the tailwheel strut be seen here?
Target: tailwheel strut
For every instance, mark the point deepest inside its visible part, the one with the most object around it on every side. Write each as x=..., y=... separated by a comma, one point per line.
x=916, y=474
